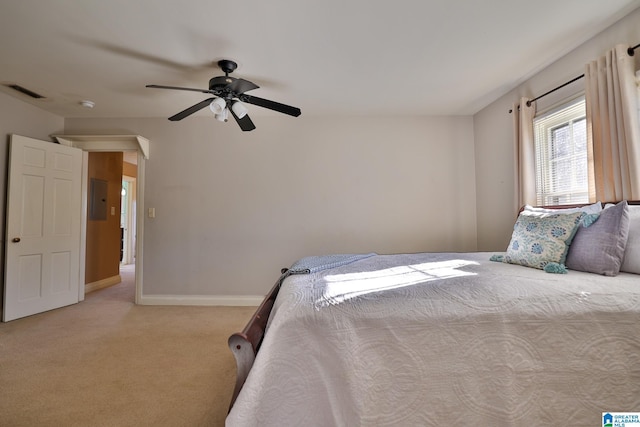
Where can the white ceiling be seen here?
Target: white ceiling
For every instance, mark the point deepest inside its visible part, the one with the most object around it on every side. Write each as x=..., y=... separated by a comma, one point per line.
x=422, y=57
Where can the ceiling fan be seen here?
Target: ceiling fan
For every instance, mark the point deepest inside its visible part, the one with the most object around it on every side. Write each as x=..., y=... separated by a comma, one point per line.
x=229, y=94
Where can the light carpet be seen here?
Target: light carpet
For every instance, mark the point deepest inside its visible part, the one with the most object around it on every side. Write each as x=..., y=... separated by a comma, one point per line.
x=109, y=362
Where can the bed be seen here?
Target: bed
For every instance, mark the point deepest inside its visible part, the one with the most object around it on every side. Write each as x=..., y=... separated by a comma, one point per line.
x=435, y=339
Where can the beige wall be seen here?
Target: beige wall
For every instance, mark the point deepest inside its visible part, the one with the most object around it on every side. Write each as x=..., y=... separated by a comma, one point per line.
x=493, y=130
x=232, y=208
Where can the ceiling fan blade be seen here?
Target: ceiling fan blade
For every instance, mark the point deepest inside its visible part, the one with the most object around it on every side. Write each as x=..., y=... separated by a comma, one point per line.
x=240, y=86
x=272, y=105
x=245, y=123
x=182, y=88
x=197, y=107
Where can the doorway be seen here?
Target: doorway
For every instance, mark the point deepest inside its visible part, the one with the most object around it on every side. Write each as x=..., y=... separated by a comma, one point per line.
x=137, y=146
x=127, y=221
x=128, y=215
x=104, y=223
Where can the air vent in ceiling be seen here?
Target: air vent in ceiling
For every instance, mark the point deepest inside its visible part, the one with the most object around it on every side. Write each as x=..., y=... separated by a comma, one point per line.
x=25, y=91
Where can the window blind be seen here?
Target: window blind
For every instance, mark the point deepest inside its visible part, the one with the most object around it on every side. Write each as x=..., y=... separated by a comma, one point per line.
x=560, y=139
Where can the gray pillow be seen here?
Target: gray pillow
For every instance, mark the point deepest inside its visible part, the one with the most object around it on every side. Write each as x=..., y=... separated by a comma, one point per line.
x=631, y=263
x=600, y=247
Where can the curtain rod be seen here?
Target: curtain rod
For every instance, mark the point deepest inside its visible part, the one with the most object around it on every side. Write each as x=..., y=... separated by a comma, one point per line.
x=630, y=51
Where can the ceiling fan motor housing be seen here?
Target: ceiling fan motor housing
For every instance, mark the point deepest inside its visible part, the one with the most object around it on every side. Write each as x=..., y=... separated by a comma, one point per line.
x=218, y=83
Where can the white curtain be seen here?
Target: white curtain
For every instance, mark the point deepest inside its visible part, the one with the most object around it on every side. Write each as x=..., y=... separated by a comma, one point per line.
x=613, y=125
x=524, y=154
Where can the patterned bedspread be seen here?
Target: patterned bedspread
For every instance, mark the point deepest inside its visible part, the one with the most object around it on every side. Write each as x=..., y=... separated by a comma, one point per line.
x=445, y=339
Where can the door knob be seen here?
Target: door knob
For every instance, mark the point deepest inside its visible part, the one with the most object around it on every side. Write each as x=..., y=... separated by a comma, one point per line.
x=15, y=240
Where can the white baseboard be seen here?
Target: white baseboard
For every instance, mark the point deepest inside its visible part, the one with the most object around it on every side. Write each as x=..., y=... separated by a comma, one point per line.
x=100, y=284
x=205, y=300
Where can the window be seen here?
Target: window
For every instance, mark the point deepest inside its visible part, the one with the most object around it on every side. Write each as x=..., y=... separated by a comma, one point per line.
x=561, y=155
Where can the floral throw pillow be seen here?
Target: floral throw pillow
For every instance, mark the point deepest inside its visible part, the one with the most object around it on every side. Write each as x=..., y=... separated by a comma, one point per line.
x=537, y=241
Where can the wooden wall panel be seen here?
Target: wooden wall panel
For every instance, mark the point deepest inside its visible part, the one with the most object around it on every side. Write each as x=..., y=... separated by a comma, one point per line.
x=103, y=236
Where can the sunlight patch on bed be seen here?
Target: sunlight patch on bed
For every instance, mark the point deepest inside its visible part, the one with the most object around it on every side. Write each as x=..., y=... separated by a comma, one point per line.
x=343, y=287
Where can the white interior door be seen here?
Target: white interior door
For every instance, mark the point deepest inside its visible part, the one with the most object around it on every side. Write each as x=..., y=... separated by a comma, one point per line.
x=43, y=227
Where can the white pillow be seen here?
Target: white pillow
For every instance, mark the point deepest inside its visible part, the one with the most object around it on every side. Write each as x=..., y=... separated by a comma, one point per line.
x=588, y=209
x=631, y=262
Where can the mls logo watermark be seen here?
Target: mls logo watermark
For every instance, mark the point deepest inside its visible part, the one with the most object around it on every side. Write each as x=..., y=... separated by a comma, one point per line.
x=621, y=419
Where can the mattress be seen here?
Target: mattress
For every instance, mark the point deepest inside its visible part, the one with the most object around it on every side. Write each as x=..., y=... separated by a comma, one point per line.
x=438, y=339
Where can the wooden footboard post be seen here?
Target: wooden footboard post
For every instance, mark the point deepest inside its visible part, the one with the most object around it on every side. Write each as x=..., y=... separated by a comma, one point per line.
x=245, y=345
x=245, y=355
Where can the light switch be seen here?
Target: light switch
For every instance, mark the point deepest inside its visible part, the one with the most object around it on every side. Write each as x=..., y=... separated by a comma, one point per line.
x=152, y=212
x=113, y=210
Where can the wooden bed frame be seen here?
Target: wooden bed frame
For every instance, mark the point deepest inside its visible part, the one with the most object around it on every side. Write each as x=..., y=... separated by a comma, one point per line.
x=245, y=345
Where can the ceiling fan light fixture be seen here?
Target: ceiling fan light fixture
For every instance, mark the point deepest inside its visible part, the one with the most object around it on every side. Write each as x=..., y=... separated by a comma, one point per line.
x=239, y=109
x=217, y=106
x=223, y=116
